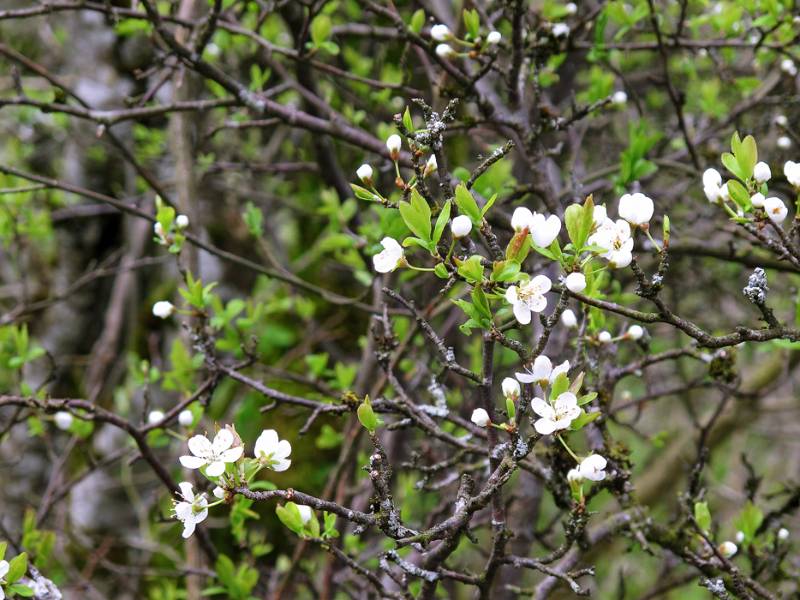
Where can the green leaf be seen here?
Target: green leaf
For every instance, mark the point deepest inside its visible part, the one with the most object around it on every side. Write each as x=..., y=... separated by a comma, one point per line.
x=559, y=386
x=488, y=205
x=586, y=398
x=17, y=567
x=367, y=416
x=441, y=222
x=481, y=303
x=583, y=420
x=289, y=515
x=467, y=205
x=702, y=515
x=505, y=270
x=579, y=220
x=21, y=590
x=417, y=21
x=472, y=22
x=739, y=194
x=417, y=216
x=408, y=122
x=472, y=269
x=320, y=29
x=730, y=162
x=441, y=271
x=749, y=521
x=747, y=156
x=3, y=547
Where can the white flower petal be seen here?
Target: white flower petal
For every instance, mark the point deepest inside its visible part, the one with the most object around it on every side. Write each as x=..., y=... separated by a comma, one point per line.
x=281, y=465
x=192, y=462
x=232, y=455
x=222, y=441
x=200, y=446
x=544, y=426
x=215, y=469
x=542, y=408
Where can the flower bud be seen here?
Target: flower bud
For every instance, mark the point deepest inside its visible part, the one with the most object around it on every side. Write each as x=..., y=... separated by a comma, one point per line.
x=155, y=416
x=783, y=534
x=493, y=38
x=444, y=51
x=163, y=309
x=784, y=143
x=186, y=418
x=394, y=143
x=576, y=282
x=568, y=319
x=604, y=337
x=635, y=332
x=364, y=173
x=431, y=166
x=440, y=32
x=727, y=549
x=761, y=172
x=511, y=388
x=181, y=221
x=619, y=98
x=461, y=226
x=480, y=417
x=560, y=30
x=63, y=420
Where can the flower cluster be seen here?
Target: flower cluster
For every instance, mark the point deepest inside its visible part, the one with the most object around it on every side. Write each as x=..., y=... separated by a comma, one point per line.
x=213, y=458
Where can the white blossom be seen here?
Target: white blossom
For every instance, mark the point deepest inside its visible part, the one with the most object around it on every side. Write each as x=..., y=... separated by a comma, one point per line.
x=272, y=451
x=431, y=166
x=461, y=226
x=218, y=492
x=568, y=319
x=560, y=30
x=388, y=259
x=761, y=172
x=724, y=193
x=727, y=549
x=493, y=38
x=393, y=144
x=616, y=240
x=635, y=332
x=574, y=475
x=757, y=200
x=444, y=51
x=604, y=337
x=190, y=511
x=776, y=210
x=440, y=32
x=214, y=454
x=186, y=418
x=556, y=417
x=521, y=219
x=163, y=309
x=364, y=173
x=739, y=537
x=712, y=177
x=791, y=170
x=544, y=230
x=306, y=512
x=511, y=388
x=155, y=416
x=784, y=143
x=619, y=98
x=542, y=371
x=636, y=208
x=4, y=567
x=593, y=467
x=781, y=121
x=181, y=221
x=571, y=8
x=529, y=297
x=788, y=67
x=599, y=215
x=63, y=420
x=783, y=533
x=480, y=417
x=575, y=282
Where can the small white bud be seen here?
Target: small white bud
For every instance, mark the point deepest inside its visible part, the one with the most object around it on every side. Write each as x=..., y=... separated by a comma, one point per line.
x=364, y=173
x=158, y=229
x=761, y=172
x=568, y=319
x=218, y=492
x=461, y=226
x=560, y=30
x=431, y=166
x=186, y=418
x=576, y=282
x=604, y=337
x=739, y=537
x=440, y=32
x=511, y=388
x=63, y=420
x=757, y=200
x=635, y=332
x=305, y=513
x=480, y=417
x=783, y=534
x=394, y=143
x=163, y=309
x=571, y=8
x=444, y=51
x=181, y=221
x=619, y=98
x=155, y=416
x=781, y=121
x=727, y=549
x=493, y=38
x=784, y=143
x=788, y=67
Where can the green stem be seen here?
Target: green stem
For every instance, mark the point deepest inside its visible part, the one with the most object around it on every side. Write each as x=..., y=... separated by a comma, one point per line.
x=571, y=453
